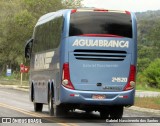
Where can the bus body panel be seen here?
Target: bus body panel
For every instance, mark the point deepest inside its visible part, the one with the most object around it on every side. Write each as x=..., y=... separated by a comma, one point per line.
x=85, y=75
x=107, y=66
x=44, y=73
x=125, y=98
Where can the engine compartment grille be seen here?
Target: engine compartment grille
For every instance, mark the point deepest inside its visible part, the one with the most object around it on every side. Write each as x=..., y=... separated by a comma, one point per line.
x=100, y=55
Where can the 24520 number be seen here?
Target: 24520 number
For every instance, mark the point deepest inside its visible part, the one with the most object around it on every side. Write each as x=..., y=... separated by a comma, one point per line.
x=119, y=79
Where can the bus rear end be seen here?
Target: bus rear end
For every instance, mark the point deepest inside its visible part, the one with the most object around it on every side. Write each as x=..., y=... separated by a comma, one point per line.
x=100, y=68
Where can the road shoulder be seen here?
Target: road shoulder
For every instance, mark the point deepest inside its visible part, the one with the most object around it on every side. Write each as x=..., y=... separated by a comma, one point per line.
x=136, y=108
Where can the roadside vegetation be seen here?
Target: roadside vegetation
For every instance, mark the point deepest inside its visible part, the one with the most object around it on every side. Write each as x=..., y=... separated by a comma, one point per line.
x=15, y=80
x=17, y=20
x=145, y=87
x=148, y=102
x=148, y=77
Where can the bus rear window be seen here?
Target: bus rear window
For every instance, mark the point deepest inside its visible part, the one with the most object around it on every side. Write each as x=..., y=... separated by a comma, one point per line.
x=111, y=23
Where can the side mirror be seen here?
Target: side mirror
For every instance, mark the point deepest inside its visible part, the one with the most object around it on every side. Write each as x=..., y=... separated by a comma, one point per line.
x=28, y=48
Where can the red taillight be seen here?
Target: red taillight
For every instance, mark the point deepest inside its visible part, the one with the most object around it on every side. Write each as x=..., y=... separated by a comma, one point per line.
x=131, y=79
x=66, y=82
x=73, y=11
x=127, y=12
x=101, y=10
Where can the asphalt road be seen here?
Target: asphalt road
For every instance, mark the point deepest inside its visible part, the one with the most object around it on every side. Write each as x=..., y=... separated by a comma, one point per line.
x=15, y=103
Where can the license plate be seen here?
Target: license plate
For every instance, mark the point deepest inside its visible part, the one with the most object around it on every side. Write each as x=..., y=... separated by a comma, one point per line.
x=98, y=96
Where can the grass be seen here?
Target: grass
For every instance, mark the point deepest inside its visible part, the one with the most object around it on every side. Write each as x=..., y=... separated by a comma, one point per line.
x=14, y=79
x=144, y=87
x=148, y=102
x=13, y=82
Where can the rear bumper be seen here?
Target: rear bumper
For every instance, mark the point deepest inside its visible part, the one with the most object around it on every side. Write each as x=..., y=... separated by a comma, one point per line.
x=124, y=98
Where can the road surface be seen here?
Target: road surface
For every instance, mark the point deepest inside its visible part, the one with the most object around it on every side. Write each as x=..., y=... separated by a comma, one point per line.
x=15, y=103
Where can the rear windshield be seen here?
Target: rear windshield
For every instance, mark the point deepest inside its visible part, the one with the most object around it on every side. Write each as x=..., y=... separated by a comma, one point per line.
x=112, y=23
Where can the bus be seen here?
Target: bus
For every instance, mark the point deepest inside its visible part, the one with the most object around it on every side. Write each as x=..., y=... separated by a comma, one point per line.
x=83, y=59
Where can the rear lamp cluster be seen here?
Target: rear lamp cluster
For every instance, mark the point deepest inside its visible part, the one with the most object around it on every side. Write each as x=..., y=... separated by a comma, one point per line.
x=66, y=82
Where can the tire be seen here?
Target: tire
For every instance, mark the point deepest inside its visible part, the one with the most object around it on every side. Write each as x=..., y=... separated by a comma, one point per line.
x=104, y=114
x=60, y=111
x=88, y=111
x=38, y=107
x=116, y=112
x=50, y=103
x=32, y=93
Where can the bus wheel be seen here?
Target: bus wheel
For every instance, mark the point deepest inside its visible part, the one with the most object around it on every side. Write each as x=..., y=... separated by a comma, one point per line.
x=50, y=103
x=88, y=111
x=104, y=114
x=116, y=112
x=60, y=111
x=38, y=107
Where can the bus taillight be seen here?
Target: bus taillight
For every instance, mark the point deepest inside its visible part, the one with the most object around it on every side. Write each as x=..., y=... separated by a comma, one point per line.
x=131, y=79
x=73, y=11
x=101, y=10
x=66, y=82
x=127, y=12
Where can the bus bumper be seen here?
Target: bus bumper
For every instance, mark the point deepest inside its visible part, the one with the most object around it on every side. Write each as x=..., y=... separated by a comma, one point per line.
x=124, y=98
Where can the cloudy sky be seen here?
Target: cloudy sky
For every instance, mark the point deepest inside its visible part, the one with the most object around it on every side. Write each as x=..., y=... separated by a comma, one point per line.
x=130, y=5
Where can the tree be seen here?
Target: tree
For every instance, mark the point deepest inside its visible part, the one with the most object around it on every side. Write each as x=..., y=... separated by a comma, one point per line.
x=152, y=74
x=72, y=3
x=41, y=7
x=18, y=18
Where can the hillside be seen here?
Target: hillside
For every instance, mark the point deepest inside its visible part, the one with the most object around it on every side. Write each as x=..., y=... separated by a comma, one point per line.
x=148, y=24
x=148, y=34
x=148, y=49
x=148, y=15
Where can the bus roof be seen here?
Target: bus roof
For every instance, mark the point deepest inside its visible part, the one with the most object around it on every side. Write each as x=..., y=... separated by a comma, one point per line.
x=45, y=18
x=99, y=10
x=49, y=16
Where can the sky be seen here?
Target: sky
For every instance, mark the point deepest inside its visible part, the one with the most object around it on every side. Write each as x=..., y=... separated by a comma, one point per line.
x=130, y=5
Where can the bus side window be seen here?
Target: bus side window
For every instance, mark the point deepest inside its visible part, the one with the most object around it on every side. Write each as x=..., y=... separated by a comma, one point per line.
x=48, y=35
x=28, y=48
x=57, y=31
x=63, y=20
